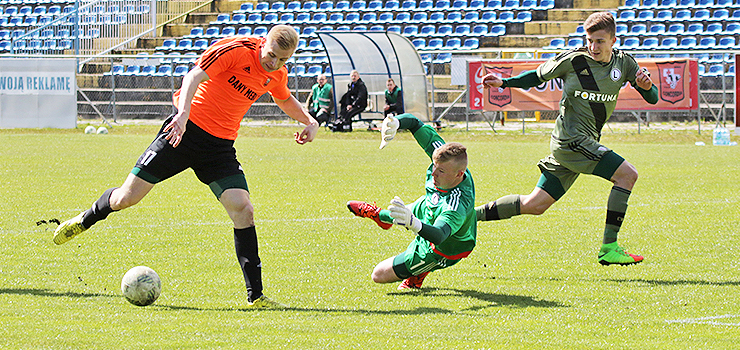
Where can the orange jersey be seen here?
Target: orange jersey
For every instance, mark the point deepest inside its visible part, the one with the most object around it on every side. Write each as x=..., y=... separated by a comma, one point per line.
x=236, y=80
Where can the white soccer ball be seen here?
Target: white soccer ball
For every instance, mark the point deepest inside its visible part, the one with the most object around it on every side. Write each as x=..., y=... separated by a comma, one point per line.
x=141, y=286
x=102, y=130
x=90, y=129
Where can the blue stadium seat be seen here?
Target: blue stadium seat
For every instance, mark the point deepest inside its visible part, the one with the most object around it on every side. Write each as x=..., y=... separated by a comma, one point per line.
x=297, y=70
x=374, y=6
x=315, y=45
x=200, y=45
x=444, y=30
x=529, y=5
x=408, y=5
x=453, y=17
x=720, y=15
x=352, y=18
x=732, y=28
x=147, y=71
x=424, y=5
x=369, y=17
x=183, y=45
x=394, y=29
x=13, y=10
x=5, y=46
x=131, y=70
x=419, y=17
x=506, y=16
x=292, y=6
x=314, y=70
x=426, y=57
x=435, y=44
x=649, y=4
x=498, y=30
x=488, y=17
x=664, y=16
x=269, y=19
x=471, y=17
x=359, y=28
x=676, y=29
x=342, y=6
x=427, y=30
x=669, y=43
x=630, y=4
x=687, y=43
x=656, y=29
x=277, y=6
x=244, y=31
x=377, y=28
x=419, y=44
x=705, y=4
x=694, y=29
x=574, y=43
x=302, y=18
x=4, y=34
x=458, y=5
x=335, y=17
x=713, y=29
x=476, y=5
x=626, y=15
x=637, y=29
x=64, y=44
x=730, y=71
x=385, y=17
x=411, y=30
x=707, y=42
x=546, y=5
x=326, y=6
x=391, y=5
x=621, y=30
x=556, y=44
x=25, y=10
x=471, y=44
x=442, y=58
x=645, y=15
x=462, y=30
x=222, y=18
x=701, y=15
x=260, y=31
x=180, y=70
x=195, y=32
x=494, y=4
x=479, y=30
x=442, y=5
x=715, y=70
x=630, y=43
x=650, y=42
x=727, y=42
x=238, y=18
x=163, y=70
x=359, y=5
x=511, y=4
x=287, y=17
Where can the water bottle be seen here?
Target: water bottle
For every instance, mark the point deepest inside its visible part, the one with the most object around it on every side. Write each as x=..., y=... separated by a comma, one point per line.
x=721, y=137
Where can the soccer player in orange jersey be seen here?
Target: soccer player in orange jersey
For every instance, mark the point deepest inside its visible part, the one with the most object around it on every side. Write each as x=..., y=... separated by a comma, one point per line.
x=214, y=97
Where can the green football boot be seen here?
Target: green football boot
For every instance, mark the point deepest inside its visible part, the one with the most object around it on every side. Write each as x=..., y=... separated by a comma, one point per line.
x=612, y=253
x=68, y=229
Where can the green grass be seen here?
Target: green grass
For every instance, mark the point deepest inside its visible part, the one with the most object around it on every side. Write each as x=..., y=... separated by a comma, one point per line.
x=532, y=282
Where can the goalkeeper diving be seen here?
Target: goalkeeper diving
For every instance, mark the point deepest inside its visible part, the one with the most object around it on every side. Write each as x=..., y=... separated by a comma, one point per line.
x=443, y=219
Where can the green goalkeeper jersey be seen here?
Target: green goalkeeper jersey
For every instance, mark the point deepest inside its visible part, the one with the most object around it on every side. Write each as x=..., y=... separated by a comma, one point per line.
x=590, y=90
x=454, y=207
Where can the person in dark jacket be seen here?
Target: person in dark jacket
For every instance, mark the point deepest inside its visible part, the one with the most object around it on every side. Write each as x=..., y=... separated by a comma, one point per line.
x=393, y=98
x=353, y=102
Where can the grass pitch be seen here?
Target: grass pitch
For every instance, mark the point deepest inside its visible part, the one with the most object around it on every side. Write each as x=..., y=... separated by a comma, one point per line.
x=532, y=282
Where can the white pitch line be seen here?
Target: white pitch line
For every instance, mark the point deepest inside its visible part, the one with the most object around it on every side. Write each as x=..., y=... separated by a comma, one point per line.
x=708, y=320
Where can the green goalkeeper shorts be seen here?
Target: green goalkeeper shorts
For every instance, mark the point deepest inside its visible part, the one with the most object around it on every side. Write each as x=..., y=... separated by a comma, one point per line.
x=561, y=168
x=419, y=258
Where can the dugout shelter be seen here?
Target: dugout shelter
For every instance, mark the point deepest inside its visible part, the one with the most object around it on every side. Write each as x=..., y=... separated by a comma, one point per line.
x=377, y=56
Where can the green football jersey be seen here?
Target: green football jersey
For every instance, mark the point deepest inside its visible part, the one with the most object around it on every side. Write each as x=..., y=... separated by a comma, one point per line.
x=590, y=90
x=454, y=206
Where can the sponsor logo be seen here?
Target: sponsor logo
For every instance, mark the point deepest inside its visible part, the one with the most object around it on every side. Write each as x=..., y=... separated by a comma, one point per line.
x=435, y=199
x=595, y=97
x=671, y=86
x=502, y=96
x=247, y=69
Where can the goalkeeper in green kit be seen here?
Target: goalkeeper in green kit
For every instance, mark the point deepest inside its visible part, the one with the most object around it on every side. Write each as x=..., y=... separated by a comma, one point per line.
x=443, y=220
x=592, y=77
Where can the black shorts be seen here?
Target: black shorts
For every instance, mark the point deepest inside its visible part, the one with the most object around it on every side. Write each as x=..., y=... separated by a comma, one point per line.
x=212, y=159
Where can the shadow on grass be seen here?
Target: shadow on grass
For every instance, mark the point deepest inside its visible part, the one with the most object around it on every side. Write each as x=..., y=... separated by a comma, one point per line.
x=673, y=282
x=49, y=293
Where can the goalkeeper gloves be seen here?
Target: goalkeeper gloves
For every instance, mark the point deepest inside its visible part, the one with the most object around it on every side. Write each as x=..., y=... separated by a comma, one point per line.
x=388, y=130
x=402, y=215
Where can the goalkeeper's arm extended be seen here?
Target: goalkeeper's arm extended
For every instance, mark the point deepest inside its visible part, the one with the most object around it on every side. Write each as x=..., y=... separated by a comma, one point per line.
x=425, y=135
x=403, y=216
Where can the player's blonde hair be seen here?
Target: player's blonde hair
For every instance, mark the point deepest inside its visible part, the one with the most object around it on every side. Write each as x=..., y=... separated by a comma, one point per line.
x=600, y=20
x=452, y=151
x=285, y=36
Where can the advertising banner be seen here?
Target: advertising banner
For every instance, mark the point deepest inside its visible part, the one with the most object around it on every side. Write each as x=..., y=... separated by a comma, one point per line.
x=38, y=93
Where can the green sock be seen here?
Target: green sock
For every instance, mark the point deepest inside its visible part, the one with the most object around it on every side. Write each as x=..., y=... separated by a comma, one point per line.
x=385, y=216
x=503, y=208
x=616, y=207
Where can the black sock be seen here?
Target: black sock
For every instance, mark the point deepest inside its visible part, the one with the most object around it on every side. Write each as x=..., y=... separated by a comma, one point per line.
x=245, y=242
x=99, y=211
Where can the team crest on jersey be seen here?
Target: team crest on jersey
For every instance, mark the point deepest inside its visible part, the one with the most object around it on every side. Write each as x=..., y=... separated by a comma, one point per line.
x=616, y=74
x=435, y=199
x=671, y=84
x=502, y=96
x=267, y=82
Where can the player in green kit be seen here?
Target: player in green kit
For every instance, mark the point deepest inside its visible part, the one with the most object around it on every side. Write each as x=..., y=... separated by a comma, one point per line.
x=592, y=77
x=443, y=220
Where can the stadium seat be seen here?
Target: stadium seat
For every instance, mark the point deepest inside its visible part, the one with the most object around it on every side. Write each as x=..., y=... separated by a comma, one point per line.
x=649, y=4
x=269, y=19
x=391, y=5
x=277, y=6
x=180, y=70
x=351, y=18
x=683, y=4
x=342, y=6
x=471, y=44
x=385, y=17
x=701, y=15
x=442, y=5
x=302, y=18
x=195, y=32
x=315, y=45
x=183, y=45
x=358, y=5
x=452, y=44
x=292, y=6
x=720, y=15
x=4, y=34
x=427, y=30
x=476, y=4
x=200, y=45
x=360, y=28
x=506, y=16
x=244, y=31
x=394, y=29
x=212, y=32
x=25, y=10
x=376, y=28
x=314, y=70
x=335, y=17
x=326, y=6
x=419, y=44
x=669, y=43
x=676, y=29
x=453, y=17
x=707, y=42
x=426, y=57
x=442, y=58
x=715, y=70
x=732, y=28
x=471, y=17
x=574, y=43
x=687, y=43
x=222, y=18
x=458, y=5
x=556, y=44
x=626, y=16
x=238, y=18
x=727, y=42
x=730, y=71
x=656, y=29
x=408, y=5
x=411, y=30
x=511, y=4
x=419, y=17
x=644, y=16
x=403, y=18
x=435, y=44
x=637, y=29
x=479, y=30
x=681, y=16
x=621, y=29
x=425, y=6
x=668, y=4
x=494, y=4
x=650, y=43
x=713, y=29
x=462, y=30
x=373, y=6
x=444, y=30
x=694, y=29
x=259, y=31
x=545, y=5
x=297, y=70
x=64, y=44
x=369, y=17
x=498, y=30
x=228, y=31
x=488, y=17
x=630, y=43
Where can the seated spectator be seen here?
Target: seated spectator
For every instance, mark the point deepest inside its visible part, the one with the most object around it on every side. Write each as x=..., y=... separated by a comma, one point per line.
x=353, y=102
x=393, y=99
x=320, y=100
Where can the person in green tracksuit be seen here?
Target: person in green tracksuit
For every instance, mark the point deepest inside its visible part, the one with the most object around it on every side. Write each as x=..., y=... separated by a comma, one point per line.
x=443, y=219
x=320, y=100
x=393, y=99
x=592, y=77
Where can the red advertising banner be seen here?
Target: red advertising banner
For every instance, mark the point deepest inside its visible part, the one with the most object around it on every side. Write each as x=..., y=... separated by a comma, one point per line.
x=677, y=82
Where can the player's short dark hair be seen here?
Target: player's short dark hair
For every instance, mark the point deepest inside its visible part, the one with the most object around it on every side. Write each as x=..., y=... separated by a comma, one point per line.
x=451, y=151
x=600, y=20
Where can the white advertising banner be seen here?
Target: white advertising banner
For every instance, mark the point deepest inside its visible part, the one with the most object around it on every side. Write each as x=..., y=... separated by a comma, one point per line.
x=38, y=93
